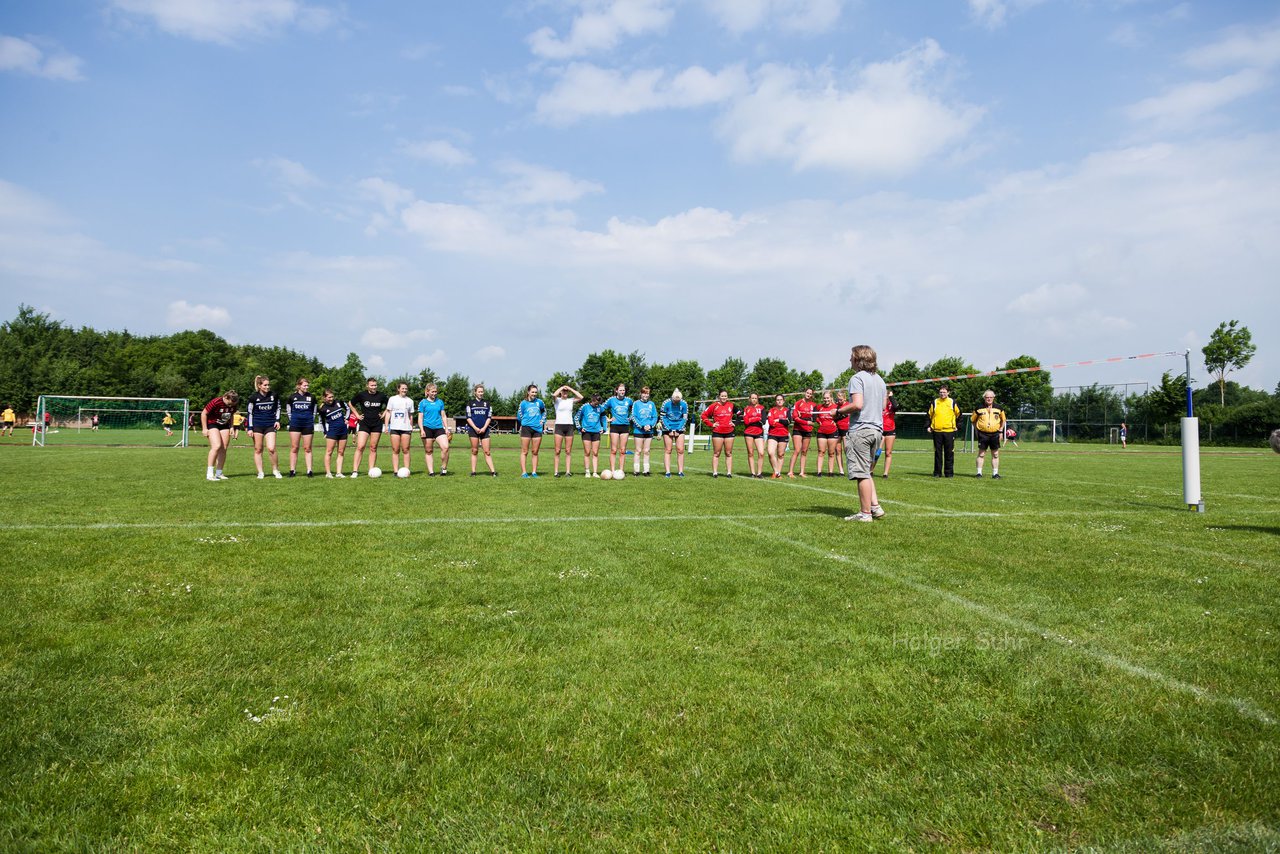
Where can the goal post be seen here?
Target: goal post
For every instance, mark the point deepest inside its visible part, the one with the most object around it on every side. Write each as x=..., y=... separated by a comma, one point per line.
x=135, y=421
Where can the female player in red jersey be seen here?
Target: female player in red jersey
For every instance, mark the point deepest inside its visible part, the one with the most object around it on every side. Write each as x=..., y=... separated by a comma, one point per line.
x=890, y=430
x=824, y=414
x=753, y=432
x=719, y=416
x=779, y=421
x=802, y=430
x=215, y=423
x=842, y=428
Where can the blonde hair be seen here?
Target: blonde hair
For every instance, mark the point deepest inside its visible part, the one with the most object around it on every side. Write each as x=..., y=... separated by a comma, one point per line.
x=676, y=395
x=259, y=380
x=864, y=359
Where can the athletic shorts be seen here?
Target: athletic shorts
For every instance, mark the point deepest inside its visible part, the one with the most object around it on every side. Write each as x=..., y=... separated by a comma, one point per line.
x=841, y=432
x=889, y=433
x=753, y=435
x=591, y=435
x=987, y=441
x=400, y=432
x=336, y=435
x=564, y=429
x=781, y=440
x=480, y=434
x=802, y=431
x=719, y=435
x=527, y=432
x=643, y=433
x=371, y=428
x=306, y=429
x=431, y=432
x=822, y=435
x=666, y=431
x=264, y=428
x=620, y=428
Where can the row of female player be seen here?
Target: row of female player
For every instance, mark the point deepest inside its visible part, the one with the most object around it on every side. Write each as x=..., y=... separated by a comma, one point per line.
x=767, y=433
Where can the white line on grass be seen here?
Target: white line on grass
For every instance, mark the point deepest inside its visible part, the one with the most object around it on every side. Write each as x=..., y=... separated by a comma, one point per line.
x=1244, y=707
x=335, y=523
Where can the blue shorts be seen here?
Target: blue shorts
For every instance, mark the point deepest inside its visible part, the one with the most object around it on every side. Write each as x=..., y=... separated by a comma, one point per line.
x=306, y=428
x=336, y=433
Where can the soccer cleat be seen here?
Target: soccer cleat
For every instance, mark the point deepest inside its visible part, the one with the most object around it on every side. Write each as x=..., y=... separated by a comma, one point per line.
x=859, y=517
x=340, y=474
x=473, y=474
x=995, y=477
x=534, y=474
x=292, y=473
x=524, y=474
x=979, y=474
x=221, y=476
x=667, y=474
x=261, y=475
x=777, y=475
x=311, y=474
x=329, y=475
x=354, y=475
x=444, y=472
x=568, y=474
x=680, y=474
x=557, y=474
x=715, y=474
x=877, y=512
x=730, y=474
x=646, y=474
x=277, y=475
x=493, y=474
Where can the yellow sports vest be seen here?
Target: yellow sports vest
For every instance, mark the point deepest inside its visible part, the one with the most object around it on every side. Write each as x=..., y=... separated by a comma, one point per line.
x=943, y=415
x=988, y=419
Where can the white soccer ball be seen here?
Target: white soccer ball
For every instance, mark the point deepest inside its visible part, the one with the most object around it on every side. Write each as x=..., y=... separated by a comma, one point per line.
x=375, y=472
x=607, y=474
x=403, y=471
x=619, y=474
x=1275, y=440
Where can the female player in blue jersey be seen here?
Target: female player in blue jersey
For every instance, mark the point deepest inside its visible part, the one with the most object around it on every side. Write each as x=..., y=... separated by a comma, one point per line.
x=564, y=397
x=264, y=421
x=479, y=415
x=618, y=411
x=590, y=421
x=644, y=423
x=531, y=417
x=675, y=418
x=432, y=429
x=302, y=424
x=333, y=416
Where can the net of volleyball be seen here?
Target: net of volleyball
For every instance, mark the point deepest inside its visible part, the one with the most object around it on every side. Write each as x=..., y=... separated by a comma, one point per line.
x=120, y=421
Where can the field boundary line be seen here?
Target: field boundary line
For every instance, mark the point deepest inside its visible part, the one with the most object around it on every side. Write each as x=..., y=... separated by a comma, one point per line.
x=434, y=520
x=1244, y=707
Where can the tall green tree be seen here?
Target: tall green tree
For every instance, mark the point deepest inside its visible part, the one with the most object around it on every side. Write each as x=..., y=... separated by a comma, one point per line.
x=1022, y=395
x=686, y=375
x=1229, y=349
x=601, y=372
x=910, y=398
x=770, y=376
x=639, y=369
x=731, y=376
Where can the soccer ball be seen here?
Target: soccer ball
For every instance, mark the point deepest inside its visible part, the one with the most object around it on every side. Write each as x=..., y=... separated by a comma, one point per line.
x=1275, y=440
x=607, y=474
x=403, y=471
x=375, y=472
x=619, y=474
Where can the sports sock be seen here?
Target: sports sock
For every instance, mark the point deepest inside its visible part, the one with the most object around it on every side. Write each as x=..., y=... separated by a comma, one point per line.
x=210, y=470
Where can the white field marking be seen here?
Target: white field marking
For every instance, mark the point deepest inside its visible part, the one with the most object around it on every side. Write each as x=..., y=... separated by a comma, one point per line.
x=336, y=523
x=1245, y=707
x=1156, y=491
x=937, y=511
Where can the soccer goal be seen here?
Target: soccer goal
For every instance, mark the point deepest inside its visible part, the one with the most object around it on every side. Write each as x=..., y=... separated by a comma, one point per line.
x=138, y=421
x=1032, y=430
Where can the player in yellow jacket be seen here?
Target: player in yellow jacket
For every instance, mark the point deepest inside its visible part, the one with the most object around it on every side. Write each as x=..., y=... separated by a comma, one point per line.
x=944, y=414
x=989, y=424
x=6, y=426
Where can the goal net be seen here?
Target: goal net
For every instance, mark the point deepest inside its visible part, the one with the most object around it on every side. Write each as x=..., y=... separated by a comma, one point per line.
x=137, y=421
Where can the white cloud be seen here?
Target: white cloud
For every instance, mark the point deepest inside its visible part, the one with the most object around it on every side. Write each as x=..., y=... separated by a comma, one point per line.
x=381, y=338
x=391, y=196
x=1182, y=105
x=339, y=265
x=184, y=315
x=587, y=90
x=287, y=172
x=439, y=151
x=1239, y=47
x=375, y=363
x=885, y=118
x=1048, y=298
x=801, y=16
x=225, y=21
x=453, y=228
x=601, y=25
x=434, y=359
x=488, y=354
x=993, y=14
x=538, y=185
x=25, y=57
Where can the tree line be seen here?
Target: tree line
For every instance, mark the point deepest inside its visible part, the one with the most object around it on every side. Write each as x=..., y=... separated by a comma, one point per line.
x=44, y=356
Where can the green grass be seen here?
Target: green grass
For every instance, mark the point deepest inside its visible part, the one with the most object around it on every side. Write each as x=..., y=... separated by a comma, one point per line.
x=1062, y=659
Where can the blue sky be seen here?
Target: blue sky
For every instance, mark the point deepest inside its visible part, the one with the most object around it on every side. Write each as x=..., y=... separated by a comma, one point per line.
x=500, y=188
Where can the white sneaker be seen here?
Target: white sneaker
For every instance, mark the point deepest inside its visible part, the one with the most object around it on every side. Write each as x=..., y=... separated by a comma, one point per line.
x=877, y=512
x=212, y=477
x=222, y=476
x=328, y=475
x=858, y=517
x=261, y=475
x=354, y=475
x=277, y=474
x=340, y=474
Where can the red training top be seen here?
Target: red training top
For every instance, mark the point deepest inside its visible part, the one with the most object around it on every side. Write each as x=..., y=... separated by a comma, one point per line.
x=803, y=413
x=217, y=413
x=753, y=420
x=719, y=417
x=779, y=418
x=826, y=423
x=890, y=410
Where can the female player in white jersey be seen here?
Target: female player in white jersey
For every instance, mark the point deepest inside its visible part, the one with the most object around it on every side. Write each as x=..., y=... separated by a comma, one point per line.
x=565, y=397
x=400, y=426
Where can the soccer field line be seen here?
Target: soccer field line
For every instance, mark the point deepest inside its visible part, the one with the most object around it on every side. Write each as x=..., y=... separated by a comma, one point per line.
x=432, y=520
x=1244, y=707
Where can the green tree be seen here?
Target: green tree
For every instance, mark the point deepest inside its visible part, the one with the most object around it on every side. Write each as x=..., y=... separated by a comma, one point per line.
x=601, y=372
x=966, y=392
x=348, y=379
x=558, y=379
x=910, y=398
x=1022, y=395
x=639, y=371
x=1229, y=349
x=1167, y=401
x=455, y=392
x=770, y=376
x=731, y=376
x=686, y=375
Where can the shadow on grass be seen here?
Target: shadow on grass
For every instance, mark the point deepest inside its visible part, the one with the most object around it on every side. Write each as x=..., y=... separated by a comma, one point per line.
x=1273, y=530
x=822, y=510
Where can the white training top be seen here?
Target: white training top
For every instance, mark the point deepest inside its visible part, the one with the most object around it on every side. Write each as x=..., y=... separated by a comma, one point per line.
x=564, y=410
x=400, y=409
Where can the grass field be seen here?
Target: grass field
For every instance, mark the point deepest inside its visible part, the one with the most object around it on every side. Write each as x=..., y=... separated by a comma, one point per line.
x=1062, y=659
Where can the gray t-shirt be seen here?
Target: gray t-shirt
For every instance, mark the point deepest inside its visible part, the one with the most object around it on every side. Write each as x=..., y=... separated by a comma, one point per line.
x=871, y=387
